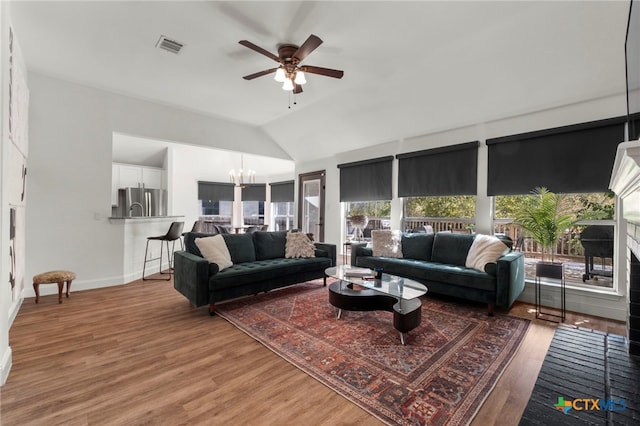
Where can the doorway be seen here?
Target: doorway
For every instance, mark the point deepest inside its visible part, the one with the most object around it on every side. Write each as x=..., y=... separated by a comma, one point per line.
x=311, y=187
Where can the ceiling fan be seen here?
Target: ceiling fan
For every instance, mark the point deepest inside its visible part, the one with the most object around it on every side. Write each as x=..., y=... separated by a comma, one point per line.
x=290, y=72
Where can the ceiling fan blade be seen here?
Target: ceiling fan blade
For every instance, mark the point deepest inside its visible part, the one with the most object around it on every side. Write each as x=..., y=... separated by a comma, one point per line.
x=259, y=74
x=297, y=89
x=307, y=47
x=259, y=50
x=328, y=72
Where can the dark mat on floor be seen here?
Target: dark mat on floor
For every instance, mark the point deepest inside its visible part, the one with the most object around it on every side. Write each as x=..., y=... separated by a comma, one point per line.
x=584, y=364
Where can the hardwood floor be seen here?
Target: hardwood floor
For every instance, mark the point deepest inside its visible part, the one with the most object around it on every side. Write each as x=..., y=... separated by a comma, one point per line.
x=140, y=354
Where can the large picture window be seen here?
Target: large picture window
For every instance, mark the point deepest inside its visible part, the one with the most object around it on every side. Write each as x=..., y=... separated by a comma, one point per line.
x=443, y=213
x=575, y=161
x=377, y=215
x=588, y=261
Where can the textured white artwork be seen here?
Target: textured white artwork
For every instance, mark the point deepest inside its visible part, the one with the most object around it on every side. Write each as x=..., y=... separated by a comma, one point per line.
x=19, y=142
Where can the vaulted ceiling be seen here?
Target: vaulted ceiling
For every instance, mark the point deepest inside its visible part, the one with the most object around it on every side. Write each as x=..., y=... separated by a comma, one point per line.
x=411, y=68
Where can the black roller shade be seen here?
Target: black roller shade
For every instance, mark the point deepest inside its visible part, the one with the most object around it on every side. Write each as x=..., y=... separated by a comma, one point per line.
x=634, y=126
x=282, y=192
x=215, y=191
x=570, y=159
x=254, y=192
x=449, y=170
x=367, y=180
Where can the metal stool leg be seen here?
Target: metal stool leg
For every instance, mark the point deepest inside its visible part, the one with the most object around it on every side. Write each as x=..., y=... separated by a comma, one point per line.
x=168, y=260
x=146, y=250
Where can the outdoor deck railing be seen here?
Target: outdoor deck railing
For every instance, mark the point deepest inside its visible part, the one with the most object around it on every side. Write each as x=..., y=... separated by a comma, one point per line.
x=569, y=245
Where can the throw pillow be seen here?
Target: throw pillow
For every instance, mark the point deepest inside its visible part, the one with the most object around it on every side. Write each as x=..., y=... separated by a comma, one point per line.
x=386, y=243
x=484, y=249
x=215, y=250
x=299, y=245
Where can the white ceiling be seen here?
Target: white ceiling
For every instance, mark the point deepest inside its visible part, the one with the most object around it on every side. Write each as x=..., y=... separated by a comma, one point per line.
x=411, y=68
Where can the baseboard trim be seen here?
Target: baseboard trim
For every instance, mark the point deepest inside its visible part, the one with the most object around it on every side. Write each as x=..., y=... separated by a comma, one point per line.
x=15, y=308
x=5, y=367
x=80, y=285
x=609, y=306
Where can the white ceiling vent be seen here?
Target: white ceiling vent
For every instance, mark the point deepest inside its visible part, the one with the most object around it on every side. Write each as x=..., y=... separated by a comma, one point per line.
x=169, y=45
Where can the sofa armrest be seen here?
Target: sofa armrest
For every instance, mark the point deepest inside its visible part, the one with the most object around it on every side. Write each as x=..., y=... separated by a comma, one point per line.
x=510, y=278
x=191, y=277
x=326, y=250
x=359, y=249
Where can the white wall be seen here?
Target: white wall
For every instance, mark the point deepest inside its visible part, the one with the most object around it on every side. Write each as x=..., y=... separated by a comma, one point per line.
x=190, y=164
x=605, y=305
x=5, y=290
x=69, y=177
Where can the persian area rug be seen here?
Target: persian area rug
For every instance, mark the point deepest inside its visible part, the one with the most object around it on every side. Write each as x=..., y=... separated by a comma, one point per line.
x=446, y=370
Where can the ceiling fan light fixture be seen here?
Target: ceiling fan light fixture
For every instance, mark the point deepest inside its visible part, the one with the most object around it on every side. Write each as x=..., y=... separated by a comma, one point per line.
x=287, y=85
x=300, y=78
x=280, y=75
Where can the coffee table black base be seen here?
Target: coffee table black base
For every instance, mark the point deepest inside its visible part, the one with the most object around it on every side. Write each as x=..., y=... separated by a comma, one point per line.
x=407, y=314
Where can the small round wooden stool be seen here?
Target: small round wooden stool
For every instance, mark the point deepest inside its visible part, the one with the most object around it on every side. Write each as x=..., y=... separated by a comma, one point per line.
x=54, y=277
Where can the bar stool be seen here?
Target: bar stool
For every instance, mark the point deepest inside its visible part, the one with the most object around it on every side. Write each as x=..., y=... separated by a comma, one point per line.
x=174, y=233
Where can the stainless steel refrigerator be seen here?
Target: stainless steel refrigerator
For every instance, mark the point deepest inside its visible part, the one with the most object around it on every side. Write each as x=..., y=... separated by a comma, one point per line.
x=136, y=202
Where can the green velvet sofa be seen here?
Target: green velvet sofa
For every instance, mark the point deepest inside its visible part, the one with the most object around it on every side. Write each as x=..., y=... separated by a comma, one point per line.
x=259, y=264
x=438, y=261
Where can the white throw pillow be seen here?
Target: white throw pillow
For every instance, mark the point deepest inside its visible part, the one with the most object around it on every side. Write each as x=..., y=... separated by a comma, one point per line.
x=485, y=249
x=215, y=250
x=299, y=245
x=386, y=243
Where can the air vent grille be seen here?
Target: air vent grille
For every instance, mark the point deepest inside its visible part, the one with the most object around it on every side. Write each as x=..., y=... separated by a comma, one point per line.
x=169, y=45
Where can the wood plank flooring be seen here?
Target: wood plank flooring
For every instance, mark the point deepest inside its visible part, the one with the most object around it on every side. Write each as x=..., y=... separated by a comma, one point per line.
x=140, y=354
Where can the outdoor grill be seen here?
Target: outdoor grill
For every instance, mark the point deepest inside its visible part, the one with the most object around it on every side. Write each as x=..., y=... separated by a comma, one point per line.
x=597, y=241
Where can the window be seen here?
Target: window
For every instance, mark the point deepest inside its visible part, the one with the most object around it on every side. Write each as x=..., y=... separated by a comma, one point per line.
x=253, y=212
x=587, y=210
x=216, y=211
x=282, y=213
x=216, y=202
x=377, y=213
x=442, y=213
x=282, y=206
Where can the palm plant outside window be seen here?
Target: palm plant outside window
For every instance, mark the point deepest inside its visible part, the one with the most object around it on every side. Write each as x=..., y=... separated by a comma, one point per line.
x=581, y=210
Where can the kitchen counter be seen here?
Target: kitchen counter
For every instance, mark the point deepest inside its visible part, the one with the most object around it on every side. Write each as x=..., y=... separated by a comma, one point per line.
x=135, y=232
x=140, y=218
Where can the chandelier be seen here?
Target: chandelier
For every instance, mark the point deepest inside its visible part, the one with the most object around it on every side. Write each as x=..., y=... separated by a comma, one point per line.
x=242, y=176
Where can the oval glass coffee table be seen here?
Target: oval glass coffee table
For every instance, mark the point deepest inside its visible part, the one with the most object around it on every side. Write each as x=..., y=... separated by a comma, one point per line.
x=388, y=293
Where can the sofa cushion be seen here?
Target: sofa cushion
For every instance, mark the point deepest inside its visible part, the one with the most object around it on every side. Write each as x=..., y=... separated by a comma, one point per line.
x=386, y=243
x=451, y=248
x=215, y=250
x=240, y=247
x=485, y=249
x=417, y=246
x=263, y=270
x=269, y=245
x=190, y=242
x=299, y=245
